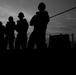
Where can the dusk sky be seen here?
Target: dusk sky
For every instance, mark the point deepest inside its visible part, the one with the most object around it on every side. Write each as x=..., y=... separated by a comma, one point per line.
x=65, y=23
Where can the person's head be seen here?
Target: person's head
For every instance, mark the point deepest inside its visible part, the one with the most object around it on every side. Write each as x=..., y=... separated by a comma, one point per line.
x=0, y=23
x=41, y=7
x=20, y=15
x=10, y=18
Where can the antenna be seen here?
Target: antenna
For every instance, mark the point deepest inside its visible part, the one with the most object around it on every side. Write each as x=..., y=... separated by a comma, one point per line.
x=63, y=12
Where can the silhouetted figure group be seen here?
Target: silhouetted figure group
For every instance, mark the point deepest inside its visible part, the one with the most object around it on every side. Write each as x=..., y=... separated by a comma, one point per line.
x=39, y=21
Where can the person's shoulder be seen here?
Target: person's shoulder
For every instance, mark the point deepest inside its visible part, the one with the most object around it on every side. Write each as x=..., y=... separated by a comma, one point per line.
x=34, y=17
x=7, y=23
x=24, y=19
x=18, y=20
x=14, y=22
x=3, y=26
x=37, y=13
x=46, y=12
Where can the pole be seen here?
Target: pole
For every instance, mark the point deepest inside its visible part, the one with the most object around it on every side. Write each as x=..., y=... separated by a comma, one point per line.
x=63, y=12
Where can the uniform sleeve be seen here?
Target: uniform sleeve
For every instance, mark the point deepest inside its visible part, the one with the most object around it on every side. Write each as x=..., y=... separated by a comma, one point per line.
x=14, y=26
x=48, y=18
x=6, y=28
x=26, y=24
x=33, y=21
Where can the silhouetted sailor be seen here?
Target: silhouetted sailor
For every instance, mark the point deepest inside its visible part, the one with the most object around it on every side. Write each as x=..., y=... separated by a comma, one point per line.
x=2, y=31
x=39, y=21
x=21, y=28
x=10, y=27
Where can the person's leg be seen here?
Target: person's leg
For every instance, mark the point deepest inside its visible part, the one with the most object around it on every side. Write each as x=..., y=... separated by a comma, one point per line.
x=1, y=43
x=31, y=42
x=41, y=43
x=24, y=43
x=11, y=41
x=17, y=44
x=6, y=40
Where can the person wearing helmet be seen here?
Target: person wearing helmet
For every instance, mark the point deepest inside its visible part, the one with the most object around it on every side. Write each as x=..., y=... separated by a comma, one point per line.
x=21, y=28
x=10, y=27
x=2, y=31
x=39, y=21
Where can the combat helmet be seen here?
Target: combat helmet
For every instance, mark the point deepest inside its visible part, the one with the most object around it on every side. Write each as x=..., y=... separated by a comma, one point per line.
x=21, y=14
